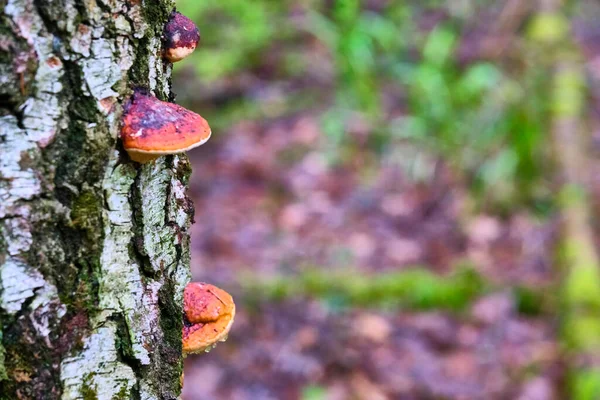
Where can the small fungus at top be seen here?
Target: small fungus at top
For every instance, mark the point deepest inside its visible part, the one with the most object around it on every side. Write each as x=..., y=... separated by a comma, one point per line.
x=181, y=36
x=152, y=128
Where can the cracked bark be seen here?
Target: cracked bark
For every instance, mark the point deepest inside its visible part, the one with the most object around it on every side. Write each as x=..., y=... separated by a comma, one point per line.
x=93, y=248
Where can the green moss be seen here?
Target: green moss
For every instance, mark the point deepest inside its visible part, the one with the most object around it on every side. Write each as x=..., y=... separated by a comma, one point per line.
x=88, y=392
x=85, y=108
x=3, y=375
x=156, y=15
x=126, y=355
x=124, y=394
x=184, y=169
x=80, y=154
x=171, y=323
x=138, y=74
x=30, y=379
x=123, y=340
x=86, y=212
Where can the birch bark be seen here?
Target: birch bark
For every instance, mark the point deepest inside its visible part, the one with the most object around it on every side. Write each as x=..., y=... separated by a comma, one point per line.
x=93, y=248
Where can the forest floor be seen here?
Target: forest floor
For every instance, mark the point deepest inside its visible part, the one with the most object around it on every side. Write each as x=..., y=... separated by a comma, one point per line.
x=262, y=213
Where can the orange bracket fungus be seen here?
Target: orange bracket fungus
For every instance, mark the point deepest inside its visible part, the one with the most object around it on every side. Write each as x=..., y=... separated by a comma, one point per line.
x=152, y=128
x=209, y=313
x=181, y=37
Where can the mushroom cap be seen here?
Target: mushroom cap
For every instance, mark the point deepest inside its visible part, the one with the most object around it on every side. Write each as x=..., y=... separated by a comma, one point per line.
x=209, y=313
x=181, y=36
x=154, y=127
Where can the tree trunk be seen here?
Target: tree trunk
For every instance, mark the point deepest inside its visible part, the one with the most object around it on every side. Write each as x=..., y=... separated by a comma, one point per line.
x=93, y=248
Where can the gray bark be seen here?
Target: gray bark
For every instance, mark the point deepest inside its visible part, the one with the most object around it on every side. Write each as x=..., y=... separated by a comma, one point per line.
x=93, y=248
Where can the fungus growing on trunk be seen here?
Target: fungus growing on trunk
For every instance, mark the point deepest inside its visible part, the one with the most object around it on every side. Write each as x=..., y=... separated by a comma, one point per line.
x=209, y=313
x=181, y=36
x=152, y=128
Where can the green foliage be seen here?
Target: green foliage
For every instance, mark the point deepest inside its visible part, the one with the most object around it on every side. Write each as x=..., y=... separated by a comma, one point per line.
x=365, y=47
x=585, y=384
x=314, y=393
x=238, y=36
x=531, y=302
x=486, y=121
x=482, y=121
x=548, y=28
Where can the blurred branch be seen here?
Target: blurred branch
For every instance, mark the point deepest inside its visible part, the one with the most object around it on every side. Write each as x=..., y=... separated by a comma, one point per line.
x=581, y=285
x=411, y=289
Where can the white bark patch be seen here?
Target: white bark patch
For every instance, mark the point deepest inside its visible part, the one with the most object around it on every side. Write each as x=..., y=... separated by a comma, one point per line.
x=19, y=282
x=154, y=73
x=182, y=277
x=82, y=40
x=94, y=12
x=158, y=74
x=15, y=232
x=126, y=55
x=18, y=182
x=106, y=64
x=178, y=214
x=97, y=368
x=161, y=193
x=68, y=22
x=43, y=307
x=41, y=111
x=139, y=24
x=122, y=25
x=102, y=71
x=158, y=238
x=121, y=286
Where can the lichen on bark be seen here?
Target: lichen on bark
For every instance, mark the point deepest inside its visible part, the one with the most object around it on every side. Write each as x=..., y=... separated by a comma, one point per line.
x=93, y=248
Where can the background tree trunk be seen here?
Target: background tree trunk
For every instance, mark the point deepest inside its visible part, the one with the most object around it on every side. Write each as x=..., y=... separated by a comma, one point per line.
x=93, y=248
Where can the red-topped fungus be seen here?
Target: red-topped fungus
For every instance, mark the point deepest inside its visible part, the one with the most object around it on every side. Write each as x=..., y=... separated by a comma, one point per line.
x=152, y=128
x=181, y=36
x=209, y=313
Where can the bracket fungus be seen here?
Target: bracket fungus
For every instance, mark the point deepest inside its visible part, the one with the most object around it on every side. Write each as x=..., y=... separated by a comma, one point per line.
x=152, y=128
x=181, y=36
x=209, y=313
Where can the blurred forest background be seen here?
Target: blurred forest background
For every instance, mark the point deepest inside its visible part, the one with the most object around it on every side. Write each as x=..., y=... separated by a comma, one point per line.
x=402, y=197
